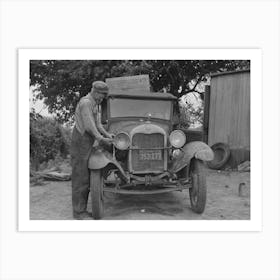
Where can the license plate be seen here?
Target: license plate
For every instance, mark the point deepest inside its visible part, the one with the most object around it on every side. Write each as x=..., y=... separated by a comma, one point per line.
x=150, y=155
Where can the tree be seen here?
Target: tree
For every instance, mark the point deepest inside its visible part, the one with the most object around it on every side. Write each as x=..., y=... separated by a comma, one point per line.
x=48, y=140
x=61, y=83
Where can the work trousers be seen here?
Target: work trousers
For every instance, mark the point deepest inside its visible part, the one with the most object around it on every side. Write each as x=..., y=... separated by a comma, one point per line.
x=81, y=146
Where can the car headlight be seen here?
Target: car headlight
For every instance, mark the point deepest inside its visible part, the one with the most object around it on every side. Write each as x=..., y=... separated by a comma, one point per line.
x=122, y=141
x=177, y=153
x=177, y=138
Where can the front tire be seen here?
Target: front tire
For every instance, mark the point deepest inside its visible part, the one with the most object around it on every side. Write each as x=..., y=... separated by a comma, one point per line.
x=198, y=190
x=96, y=190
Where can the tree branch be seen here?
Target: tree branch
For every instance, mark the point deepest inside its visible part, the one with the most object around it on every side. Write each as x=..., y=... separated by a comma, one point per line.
x=198, y=91
x=194, y=87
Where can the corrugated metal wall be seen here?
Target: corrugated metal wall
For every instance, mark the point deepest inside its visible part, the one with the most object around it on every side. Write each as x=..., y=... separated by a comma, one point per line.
x=229, y=114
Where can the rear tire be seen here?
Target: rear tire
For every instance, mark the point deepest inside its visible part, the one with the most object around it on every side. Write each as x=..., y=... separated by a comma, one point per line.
x=96, y=190
x=198, y=190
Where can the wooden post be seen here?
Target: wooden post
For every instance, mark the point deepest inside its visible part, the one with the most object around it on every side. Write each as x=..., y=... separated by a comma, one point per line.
x=206, y=113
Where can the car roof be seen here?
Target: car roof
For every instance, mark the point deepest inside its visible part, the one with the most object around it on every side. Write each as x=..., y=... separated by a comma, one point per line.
x=142, y=94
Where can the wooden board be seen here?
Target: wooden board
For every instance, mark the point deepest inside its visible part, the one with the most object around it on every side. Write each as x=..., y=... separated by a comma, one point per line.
x=128, y=83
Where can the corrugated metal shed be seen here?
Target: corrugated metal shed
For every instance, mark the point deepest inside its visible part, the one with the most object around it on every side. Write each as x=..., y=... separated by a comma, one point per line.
x=229, y=113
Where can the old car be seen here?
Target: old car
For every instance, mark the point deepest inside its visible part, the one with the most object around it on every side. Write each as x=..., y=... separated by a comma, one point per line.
x=149, y=155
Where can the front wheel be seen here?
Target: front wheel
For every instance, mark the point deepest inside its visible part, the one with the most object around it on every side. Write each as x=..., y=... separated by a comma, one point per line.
x=198, y=190
x=96, y=190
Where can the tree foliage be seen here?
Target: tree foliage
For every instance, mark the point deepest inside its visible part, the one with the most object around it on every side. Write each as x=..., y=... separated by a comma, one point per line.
x=48, y=139
x=61, y=83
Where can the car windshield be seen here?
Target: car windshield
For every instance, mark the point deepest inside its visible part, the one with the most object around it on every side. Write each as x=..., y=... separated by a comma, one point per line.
x=123, y=107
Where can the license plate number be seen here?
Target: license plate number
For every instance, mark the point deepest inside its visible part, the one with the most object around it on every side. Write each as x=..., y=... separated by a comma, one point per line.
x=150, y=155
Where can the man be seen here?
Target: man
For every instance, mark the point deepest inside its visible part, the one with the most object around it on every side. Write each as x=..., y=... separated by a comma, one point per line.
x=88, y=128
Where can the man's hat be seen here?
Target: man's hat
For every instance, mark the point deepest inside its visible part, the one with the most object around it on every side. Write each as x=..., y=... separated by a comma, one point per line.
x=100, y=87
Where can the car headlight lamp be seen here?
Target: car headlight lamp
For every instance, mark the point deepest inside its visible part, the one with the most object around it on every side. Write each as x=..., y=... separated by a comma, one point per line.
x=177, y=138
x=122, y=141
x=177, y=153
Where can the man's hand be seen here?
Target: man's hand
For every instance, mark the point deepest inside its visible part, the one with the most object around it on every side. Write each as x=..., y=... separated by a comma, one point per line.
x=106, y=142
x=110, y=135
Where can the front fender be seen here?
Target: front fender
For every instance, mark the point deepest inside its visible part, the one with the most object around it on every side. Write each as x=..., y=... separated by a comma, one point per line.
x=99, y=158
x=195, y=149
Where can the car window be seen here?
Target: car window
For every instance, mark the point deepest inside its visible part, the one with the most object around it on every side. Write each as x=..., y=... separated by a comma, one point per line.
x=122, y=107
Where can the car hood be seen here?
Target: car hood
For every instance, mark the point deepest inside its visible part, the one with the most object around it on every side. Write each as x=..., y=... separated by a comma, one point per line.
x=132, y=127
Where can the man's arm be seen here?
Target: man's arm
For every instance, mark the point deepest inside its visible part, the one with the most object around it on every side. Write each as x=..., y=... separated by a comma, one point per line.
x=88, y=120
x=101, y=128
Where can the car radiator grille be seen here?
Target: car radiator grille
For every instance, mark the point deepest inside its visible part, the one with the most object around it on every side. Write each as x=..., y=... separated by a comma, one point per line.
x=145, y=157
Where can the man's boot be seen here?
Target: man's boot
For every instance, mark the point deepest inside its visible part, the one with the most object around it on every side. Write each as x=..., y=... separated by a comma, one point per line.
x=82, y=216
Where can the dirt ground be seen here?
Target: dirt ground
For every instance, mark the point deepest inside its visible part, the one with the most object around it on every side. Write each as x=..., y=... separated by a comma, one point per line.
x=52, y=201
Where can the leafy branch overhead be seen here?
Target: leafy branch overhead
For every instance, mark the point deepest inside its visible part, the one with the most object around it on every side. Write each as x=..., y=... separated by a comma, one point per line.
x=61, y=83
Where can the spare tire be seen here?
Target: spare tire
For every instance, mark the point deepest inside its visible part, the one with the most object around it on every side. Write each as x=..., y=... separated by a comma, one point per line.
x=221, y=155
